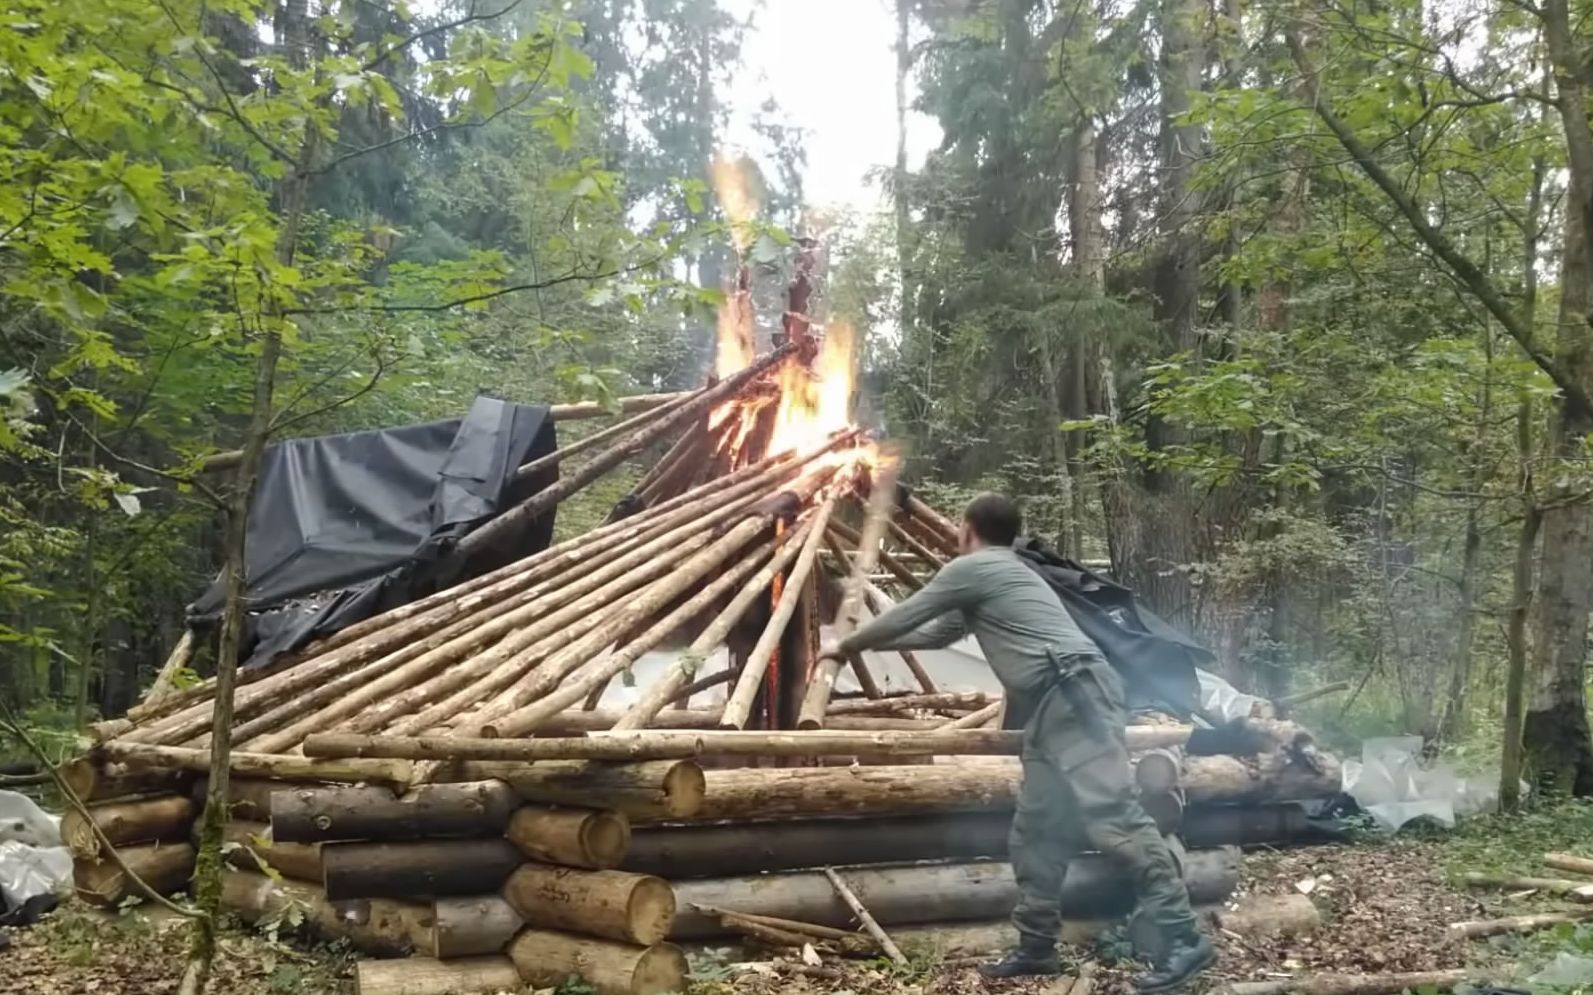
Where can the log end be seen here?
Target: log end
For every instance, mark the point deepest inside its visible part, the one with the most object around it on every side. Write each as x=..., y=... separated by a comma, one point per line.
x=685, y=789
x=651, y=910
x=662, y=968
x=606, y=837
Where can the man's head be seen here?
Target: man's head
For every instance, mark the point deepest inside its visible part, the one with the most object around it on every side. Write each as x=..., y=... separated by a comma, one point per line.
x=990, y=520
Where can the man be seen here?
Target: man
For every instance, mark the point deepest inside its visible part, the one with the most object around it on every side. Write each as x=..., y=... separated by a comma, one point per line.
x=1061, y=692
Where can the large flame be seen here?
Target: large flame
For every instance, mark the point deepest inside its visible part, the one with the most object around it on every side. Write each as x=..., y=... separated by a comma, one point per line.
x=816, y=401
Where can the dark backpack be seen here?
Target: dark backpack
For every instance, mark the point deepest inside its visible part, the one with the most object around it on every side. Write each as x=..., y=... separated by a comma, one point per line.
x=1156, y=661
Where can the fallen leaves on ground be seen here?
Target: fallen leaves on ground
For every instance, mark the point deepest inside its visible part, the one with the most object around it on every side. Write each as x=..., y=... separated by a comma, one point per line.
x=77, y=951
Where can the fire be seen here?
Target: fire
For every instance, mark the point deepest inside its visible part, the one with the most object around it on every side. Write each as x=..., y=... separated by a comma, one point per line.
x=816, y=401
x=735, y=188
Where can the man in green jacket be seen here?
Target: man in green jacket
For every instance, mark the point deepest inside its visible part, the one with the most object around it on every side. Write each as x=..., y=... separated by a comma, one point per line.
x=1077, y=792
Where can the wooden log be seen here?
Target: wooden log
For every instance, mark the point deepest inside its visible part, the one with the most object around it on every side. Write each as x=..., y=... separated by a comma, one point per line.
x=417, y=869
x=1577, y=891
x=976, y=719
x=644, y=745
x=660, y=789
x=908, y=702
x=538, y=504
x=809, y=929
x=430, y=976
x=821, y=683
x=573, y=723
x=1477, y=928
x=1301, y=697
x=165, y=867
x=546, y=959
x=596, y=675
x=922, y=893
x=1251, y=825
x=1569, y=862
x=469, y=927
x=795, y=791
x=93, y=779
x=728, y=849
x=616, y=905
x=1350, y=984
x=861, y=912
x=272, y=766
x=574, y=837
x=1270, y=778
x=248, y=798
x=934, y=520
x=553, y=460
x=739, y=705
x=1158, y=771
x=149, y=820
x=381, y=927
x=1270, y=916
x=253, y=849
x=165, y=682
x=429, y=811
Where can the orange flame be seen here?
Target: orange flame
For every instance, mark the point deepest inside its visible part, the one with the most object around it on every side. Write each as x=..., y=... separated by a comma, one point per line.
x=816, y=401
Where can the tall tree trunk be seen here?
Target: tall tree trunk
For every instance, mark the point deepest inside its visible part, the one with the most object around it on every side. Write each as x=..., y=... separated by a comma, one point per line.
x=292, y=195
x=1166, y=516
x=1555, y=730
x=904, y=67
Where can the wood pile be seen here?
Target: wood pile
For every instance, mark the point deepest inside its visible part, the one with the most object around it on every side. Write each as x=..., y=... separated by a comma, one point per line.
x=445, y=782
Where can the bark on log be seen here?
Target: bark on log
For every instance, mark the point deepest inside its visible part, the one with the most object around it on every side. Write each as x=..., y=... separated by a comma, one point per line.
x=380, y=927
x=429, y=976
x=661, y=789
x=1270, y=916
x=922, y=739
x=573, y=723
x=1518, y=924
x=272, y=766
x=1349, y=984
x=908, y=702
x=682, y=852
x=546, y=958
x=1577, y=891
x=1270, y=778
x=1569, y=862
x=932, y=892
x=574, y=837
x=248, y=799
x=165, y=867
x=255, y=850
x=616, y=905
x=94, y=780
x=430, y=811
x=416, y=870
x=468, y=927
x=796, y=791
x=151, y=820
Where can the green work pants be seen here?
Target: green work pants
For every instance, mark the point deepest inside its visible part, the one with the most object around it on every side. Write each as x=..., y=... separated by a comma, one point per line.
x=1077, y=795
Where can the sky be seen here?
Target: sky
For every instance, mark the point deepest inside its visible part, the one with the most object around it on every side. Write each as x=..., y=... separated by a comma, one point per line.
x=831, y=67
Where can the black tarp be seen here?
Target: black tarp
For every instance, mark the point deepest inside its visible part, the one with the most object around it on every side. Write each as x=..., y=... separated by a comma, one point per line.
x=344, y=527
x=1156, y=661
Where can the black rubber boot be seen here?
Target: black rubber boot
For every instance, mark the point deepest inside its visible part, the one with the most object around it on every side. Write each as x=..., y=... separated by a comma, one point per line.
x=1026, y=961
x=1184, y=959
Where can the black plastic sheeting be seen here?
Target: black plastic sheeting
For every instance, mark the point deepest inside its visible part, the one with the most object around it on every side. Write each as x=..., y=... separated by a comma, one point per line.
x=344, y=527
x=1156, y=661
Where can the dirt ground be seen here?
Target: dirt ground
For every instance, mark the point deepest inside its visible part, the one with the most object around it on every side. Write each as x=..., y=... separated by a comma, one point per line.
x=1384, y=907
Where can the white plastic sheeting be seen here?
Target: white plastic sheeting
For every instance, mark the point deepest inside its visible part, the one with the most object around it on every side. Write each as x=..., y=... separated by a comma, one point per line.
x=32, y=860
x=1222, y=703
x=1394, y=786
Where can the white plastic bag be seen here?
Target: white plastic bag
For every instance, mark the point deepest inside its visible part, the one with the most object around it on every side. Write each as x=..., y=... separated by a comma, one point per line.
x=25, y=822
x=29, y=871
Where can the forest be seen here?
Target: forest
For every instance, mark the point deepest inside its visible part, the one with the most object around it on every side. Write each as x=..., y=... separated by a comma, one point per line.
x=1281, y=313
x=1278, y=309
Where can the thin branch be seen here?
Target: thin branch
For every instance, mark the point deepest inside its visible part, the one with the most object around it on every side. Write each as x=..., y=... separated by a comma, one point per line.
x=419, y=36
x=571, y=277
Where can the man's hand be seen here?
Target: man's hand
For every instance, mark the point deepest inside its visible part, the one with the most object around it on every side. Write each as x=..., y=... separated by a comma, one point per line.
x=831, y=650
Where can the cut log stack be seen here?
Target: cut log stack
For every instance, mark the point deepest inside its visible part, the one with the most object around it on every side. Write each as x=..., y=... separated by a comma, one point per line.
x=443, y=781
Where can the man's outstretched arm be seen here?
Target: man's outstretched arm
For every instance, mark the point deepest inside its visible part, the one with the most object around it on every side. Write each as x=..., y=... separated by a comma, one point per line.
x=929, y=619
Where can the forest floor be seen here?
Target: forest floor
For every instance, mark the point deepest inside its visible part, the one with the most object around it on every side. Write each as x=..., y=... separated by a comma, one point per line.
x=1386, y=905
